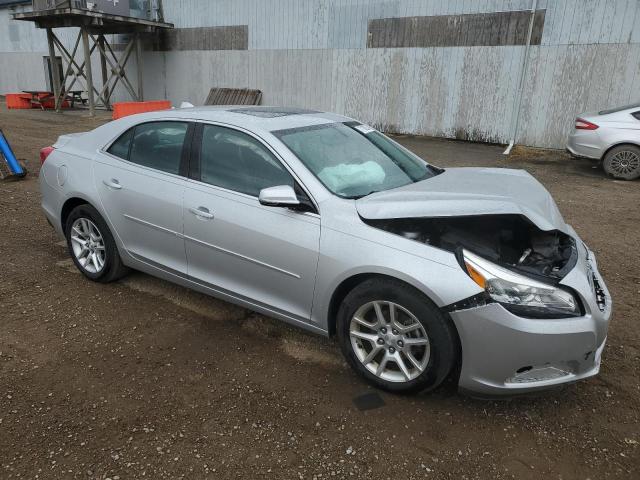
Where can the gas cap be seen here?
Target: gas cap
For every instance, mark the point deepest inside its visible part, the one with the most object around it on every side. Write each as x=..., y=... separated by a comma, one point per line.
x=62, y=174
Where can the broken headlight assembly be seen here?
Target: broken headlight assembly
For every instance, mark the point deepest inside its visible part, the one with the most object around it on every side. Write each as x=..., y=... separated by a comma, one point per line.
x=519, y=294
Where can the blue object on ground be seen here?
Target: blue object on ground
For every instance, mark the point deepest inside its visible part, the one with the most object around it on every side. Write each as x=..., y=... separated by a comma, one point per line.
x=10, y=158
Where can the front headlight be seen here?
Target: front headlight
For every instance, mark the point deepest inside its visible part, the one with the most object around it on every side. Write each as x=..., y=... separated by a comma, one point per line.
x=519, y=294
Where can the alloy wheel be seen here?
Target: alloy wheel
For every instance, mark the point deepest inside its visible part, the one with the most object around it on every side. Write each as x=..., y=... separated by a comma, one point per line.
x=88, y=245
x=625, y=162
x=389, y=341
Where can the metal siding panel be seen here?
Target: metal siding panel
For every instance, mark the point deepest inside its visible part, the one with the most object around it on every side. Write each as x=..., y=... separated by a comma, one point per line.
x=634, y=84
x=620, y=12
x=629, y=22
x=607, y=22
x=634, y=37
x=618, y=91
x=564, y=27
x=435, y=91
x=480, y=29
x=596, y=25
x=579, y=22
x=555, y=12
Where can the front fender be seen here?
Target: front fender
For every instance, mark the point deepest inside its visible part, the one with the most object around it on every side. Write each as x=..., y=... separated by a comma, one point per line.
x=343, y=256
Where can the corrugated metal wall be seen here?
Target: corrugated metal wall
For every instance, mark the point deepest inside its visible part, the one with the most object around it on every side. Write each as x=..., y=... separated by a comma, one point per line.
x=313, y=53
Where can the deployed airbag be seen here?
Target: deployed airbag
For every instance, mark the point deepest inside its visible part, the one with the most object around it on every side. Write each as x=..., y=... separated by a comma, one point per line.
x=343, y=176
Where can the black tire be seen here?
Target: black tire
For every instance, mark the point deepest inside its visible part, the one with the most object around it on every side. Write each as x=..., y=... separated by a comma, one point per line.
x=113, y=268
x=622, y=162
x=442, y=336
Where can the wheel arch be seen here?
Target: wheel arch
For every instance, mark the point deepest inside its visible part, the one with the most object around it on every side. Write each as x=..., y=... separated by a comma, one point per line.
x=618, y=144
x=349, y=283
x=68, y=206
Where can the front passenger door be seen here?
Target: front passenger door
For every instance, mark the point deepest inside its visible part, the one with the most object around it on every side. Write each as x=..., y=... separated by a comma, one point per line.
x=264, y=255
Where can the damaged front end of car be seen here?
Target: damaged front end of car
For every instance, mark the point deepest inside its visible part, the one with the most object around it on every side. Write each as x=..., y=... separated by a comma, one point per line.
x=513, y=261
x=507, y=240
x=541, y=311
x=541, y=317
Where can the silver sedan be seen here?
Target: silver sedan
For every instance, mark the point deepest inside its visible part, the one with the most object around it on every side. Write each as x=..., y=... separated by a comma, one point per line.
x=611, y=137
x=421, y=273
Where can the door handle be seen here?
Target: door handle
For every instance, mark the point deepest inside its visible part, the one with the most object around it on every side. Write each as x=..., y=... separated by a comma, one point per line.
x=202, y=212
x=113, y=183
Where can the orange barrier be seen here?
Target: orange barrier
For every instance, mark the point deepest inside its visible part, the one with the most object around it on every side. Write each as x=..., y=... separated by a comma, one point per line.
x=123, y=109
x=18, y=101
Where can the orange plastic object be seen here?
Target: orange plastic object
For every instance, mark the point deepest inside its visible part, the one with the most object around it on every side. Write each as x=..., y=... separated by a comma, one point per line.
x=49, y=103
x=123, y=109
x=18, y=101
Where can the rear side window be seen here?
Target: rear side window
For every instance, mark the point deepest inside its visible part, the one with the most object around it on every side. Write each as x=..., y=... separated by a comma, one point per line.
x=636, y=114
x=236, y=161
x=120, y=148
x=155, y=145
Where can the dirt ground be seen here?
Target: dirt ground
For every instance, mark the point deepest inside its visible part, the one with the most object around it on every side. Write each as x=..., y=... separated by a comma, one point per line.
x=143, y=379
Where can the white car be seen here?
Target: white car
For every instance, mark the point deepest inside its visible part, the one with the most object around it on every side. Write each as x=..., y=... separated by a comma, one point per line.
x=611, y=137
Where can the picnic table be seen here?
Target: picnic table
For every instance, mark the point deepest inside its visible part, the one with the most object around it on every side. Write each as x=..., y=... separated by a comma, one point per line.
x=45, y=99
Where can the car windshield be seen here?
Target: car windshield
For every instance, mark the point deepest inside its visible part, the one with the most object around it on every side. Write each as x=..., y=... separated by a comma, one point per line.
x=354, y=160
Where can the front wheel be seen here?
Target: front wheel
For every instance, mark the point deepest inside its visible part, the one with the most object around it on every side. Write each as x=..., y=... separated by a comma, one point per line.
x=395, y=337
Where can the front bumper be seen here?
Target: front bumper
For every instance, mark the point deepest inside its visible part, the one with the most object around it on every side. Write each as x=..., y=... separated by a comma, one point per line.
x=503, y=354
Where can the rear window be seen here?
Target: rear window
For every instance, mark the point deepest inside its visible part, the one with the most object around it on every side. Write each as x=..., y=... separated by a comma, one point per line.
x=619, y=109
x=120, y=148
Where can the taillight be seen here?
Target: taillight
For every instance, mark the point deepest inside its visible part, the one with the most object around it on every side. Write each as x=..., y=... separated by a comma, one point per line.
x=44, y=153
x=582, y=124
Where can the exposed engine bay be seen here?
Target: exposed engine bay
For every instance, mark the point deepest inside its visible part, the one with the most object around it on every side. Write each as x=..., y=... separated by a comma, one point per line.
x=511, y=241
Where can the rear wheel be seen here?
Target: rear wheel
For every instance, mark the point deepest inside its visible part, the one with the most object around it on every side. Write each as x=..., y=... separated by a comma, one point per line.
x=395, y=337
x=92, y=246
x=623, y=162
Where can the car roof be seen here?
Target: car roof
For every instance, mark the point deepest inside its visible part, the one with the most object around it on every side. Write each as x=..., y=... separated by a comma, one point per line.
x=265, y=118
x=633, y=107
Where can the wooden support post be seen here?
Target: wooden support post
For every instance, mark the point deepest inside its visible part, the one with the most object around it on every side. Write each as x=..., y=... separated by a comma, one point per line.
x=139, y=66
x=103, y=67
x=87, y=66
x=54, y=73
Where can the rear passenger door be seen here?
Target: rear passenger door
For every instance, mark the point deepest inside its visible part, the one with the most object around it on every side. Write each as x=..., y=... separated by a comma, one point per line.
x=263, y=255
x=141, y=186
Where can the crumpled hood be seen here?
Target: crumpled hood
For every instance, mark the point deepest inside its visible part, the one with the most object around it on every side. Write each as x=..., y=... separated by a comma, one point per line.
x=467, y=191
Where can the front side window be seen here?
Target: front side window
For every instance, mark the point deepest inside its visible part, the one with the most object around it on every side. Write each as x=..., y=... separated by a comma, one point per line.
x=354, y=160
x=236, y=161
x=156, y=145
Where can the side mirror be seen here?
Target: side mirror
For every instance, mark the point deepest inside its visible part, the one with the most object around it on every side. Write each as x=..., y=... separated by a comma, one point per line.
x=279, y=196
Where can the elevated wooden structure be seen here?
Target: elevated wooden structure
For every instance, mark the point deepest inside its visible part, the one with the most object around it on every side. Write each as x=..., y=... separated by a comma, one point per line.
x=93, y=25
